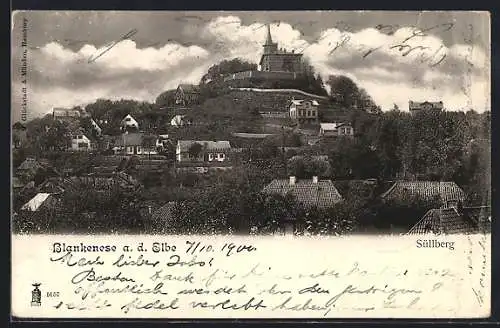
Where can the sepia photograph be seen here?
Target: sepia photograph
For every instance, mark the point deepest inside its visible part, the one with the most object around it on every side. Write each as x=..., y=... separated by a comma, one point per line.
x=297, y=123
x=251, y=164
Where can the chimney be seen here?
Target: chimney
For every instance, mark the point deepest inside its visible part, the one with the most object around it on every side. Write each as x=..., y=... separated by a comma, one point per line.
x=315, y=179
x=292, y=180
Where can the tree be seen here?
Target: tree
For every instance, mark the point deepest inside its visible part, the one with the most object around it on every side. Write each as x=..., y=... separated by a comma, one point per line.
x=56, y=137
x=307, y=167
x=148, y=143
x=296, y=166
x=343, y=90
x=166, y=99
x=195, y=150
x=318, y=167
x=218, y=71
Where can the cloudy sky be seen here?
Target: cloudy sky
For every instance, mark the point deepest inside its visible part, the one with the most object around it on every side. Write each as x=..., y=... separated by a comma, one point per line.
x=395, y=56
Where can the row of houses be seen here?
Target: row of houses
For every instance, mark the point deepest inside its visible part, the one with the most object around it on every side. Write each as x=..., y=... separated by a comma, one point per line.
x=449, y=218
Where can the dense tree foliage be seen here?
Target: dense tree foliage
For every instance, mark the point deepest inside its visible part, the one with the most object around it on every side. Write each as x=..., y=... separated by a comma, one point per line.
x=85, y=211
x=387, y=146
x=217, y=72
x=345, y=91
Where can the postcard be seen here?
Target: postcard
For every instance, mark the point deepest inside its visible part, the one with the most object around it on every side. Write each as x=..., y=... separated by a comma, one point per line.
x=250, y=164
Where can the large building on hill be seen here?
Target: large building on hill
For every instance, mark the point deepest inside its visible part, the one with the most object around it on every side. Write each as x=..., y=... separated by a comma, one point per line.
x=415, y=106
x=304, y=111
x=64, y=115
x=187, y=94
x=279, y=60
x=276, y=64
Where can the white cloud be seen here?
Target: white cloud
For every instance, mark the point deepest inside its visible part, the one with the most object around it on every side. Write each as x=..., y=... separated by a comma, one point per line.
x=125, y=71
x=126, y=55
x=61, y=77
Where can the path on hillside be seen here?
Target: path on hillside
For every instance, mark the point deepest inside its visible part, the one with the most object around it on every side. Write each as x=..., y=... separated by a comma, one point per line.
x=280, y=90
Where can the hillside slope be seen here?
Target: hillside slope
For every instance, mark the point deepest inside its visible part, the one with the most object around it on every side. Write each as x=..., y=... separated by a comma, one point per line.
x=264, y=100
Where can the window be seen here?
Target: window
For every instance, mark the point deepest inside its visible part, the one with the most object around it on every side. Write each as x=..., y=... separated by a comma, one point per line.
x=127, y=119
x=220, y=156
x=308, y=113
x=210, y=157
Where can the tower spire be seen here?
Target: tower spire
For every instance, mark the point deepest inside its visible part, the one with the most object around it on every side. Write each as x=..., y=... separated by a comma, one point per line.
x=269, y=40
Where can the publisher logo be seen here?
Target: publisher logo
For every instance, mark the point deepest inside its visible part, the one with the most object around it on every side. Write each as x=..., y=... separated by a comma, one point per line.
x=36, y=295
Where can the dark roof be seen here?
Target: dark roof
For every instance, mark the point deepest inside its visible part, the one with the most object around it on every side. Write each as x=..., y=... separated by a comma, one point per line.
x=481, y=215
x=189, y=88
x=447, y=190
x=451, y=221
x=208, y=145
x=252, y=135
x=320, y=194
x=419, y=105
x=18, y=126
x=52, y=186
x=29, y=164
x=63, y=112
x=313, y=157
x=95, y=181
x=130, y=139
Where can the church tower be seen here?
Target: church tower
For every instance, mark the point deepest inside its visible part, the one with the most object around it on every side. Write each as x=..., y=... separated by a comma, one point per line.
x=269, y=46
x=278, y=60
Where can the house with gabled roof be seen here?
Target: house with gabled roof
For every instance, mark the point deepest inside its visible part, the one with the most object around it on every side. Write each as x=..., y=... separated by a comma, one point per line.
x=129, y=122
x=187, y=94
x=447, y=192
x=80, y=142
x=180, y=120
x=304, y=110
x=454, y=220
x=209, y=151
x=63, y=114
x=308, y=192
x=416, y=106
x=96, y=127
x=40, y=200
x=135, y=144
x=29, y=168
x=336, y=129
